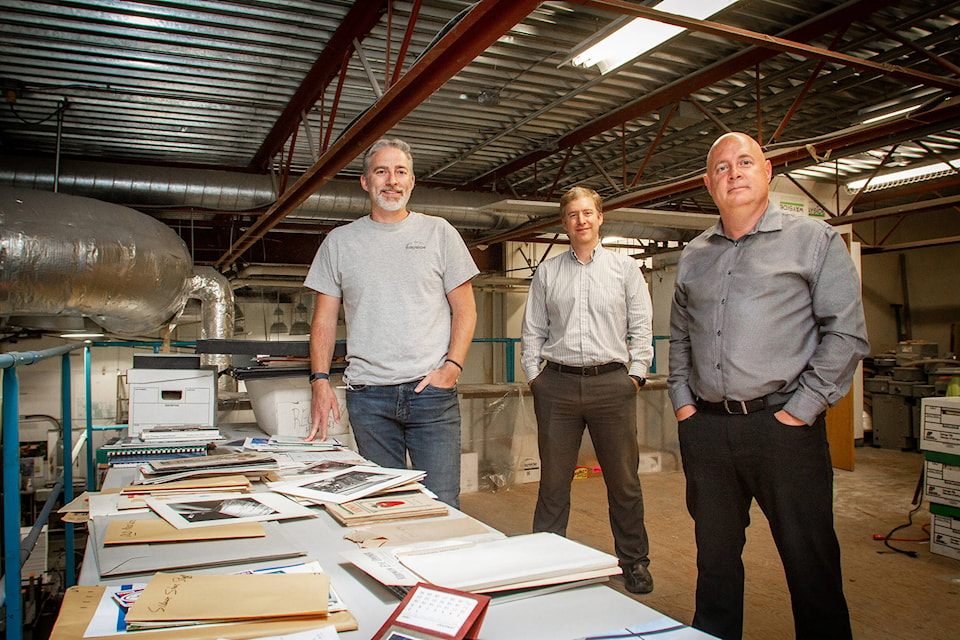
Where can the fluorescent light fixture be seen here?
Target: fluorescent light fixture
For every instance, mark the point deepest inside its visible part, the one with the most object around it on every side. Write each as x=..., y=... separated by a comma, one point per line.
x=915, y=174
x=81, y=336
x=641, y=35
x=894, y=114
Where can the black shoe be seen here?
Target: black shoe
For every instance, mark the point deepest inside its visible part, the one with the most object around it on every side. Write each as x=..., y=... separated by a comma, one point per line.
x=638, y=579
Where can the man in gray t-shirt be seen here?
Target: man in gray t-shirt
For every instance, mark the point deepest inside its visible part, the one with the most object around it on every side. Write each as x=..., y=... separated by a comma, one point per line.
x=404, y=280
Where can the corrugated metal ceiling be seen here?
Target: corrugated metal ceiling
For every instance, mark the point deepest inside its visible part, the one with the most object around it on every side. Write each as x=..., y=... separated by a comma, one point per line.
x=210, y=85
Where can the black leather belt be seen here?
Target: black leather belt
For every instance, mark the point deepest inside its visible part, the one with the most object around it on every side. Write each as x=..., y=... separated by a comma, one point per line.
x=743, y=407
x=586, y=371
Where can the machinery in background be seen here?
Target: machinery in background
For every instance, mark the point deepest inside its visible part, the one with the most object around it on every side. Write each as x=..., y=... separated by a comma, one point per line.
x=897, y=386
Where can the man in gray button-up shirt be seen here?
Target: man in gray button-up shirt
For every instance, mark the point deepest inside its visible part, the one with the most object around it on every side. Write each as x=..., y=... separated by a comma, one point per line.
x=767, y=329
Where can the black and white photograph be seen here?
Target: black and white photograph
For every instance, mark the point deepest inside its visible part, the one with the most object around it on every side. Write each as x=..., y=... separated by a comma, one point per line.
x=346, y=484
x=189, y=512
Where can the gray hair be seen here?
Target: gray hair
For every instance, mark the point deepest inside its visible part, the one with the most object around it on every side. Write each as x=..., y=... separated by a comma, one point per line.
x=383, y=143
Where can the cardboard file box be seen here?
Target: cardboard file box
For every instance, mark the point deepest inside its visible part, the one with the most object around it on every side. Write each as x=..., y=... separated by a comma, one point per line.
x=942, y=479
x=944, y=530
x=940, y=424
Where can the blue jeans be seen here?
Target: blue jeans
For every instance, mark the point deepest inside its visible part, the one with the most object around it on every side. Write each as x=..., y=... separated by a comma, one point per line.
x=388, y=421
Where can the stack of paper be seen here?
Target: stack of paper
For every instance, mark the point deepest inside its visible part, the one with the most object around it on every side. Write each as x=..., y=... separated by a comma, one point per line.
x=93, y=613
x=135, y=496
x=386, y=508
x=249, y=463
x=275, y=443
x=180, y=434
x=176, y=600
x=516, y=562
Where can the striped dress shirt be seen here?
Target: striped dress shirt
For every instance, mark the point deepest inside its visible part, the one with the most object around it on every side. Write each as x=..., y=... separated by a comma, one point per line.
x=584, y=314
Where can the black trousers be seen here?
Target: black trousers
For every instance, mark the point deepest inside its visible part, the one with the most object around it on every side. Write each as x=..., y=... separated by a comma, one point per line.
x=566, y=403
x=730, y=460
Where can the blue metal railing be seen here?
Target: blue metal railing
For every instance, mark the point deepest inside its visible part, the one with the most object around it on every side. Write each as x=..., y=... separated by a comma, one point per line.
x=15, y=552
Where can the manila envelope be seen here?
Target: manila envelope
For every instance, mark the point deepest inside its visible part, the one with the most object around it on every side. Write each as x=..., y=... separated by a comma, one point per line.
x=403, y=533
x=80, y=603
x=126, y=560
x=171, y=597
x=159, y=530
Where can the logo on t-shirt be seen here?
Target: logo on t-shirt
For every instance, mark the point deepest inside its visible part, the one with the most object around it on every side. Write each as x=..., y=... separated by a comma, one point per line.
x=416, y=244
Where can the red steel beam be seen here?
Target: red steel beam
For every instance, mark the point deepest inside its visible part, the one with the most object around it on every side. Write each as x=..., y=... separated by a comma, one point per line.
x=843, y=143
x=359, y=21
x=781, y=44
x=468, y=38
x=838, y=146
x=814, y=28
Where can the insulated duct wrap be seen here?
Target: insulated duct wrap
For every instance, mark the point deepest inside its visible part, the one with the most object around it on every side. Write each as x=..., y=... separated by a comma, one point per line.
x=216, y=304
x=63, y=255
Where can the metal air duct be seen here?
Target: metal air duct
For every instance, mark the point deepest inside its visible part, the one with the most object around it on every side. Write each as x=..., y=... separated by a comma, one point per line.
x=69, y=256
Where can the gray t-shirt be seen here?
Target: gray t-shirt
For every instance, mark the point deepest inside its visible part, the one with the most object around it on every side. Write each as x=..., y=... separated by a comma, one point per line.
x=393, y=280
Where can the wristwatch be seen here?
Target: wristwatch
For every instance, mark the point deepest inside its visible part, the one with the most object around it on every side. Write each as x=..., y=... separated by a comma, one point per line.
x=319, y=375
x=640, y=381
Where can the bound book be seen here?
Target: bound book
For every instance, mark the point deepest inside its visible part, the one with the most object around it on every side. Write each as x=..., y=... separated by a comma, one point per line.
x=386, y=508
x=127, y=452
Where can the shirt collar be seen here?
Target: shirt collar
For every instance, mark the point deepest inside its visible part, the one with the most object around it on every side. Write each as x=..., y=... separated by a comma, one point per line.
x=771, y=220
x=593, y=253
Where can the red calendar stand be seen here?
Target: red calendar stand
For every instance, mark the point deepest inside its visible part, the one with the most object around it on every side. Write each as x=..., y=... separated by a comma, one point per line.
x=431, y=612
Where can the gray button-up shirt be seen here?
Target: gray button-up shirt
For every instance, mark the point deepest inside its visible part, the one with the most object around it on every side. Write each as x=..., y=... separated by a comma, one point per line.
x=584, y=314
x=777, y=311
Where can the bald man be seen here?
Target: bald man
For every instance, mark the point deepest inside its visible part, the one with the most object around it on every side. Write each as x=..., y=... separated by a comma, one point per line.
x=767, y=329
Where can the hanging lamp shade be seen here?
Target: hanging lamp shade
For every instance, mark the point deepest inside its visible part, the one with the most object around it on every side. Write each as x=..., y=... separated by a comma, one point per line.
x=300, y=326
x=278, y=326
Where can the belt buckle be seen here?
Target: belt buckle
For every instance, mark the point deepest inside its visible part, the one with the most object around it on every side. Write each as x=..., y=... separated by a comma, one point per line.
x=743, y=407
x=591, y=371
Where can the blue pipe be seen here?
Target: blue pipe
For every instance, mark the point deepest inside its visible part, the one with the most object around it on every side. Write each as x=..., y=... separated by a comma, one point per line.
x=11, y=503
x=11, y=479
x=67, y=420
x=91, y=467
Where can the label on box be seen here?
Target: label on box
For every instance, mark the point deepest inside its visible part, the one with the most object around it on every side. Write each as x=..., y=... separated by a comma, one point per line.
x=945, y=535
x=942, y=484
x=940, y=428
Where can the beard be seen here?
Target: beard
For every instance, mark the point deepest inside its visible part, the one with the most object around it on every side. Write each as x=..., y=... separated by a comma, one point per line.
x=389, y=204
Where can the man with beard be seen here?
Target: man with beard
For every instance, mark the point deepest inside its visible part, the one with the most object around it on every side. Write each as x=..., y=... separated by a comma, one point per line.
x=404, y=279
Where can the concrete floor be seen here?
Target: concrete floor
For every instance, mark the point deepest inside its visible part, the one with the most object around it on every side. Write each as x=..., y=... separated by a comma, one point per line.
x=891, y=596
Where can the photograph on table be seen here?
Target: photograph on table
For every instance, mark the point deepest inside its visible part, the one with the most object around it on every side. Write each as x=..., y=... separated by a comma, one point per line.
x=200, y=512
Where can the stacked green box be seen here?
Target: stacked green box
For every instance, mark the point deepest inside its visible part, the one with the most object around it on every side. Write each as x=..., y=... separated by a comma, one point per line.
x=945, y=530
x=942, y=478
x=942, y=489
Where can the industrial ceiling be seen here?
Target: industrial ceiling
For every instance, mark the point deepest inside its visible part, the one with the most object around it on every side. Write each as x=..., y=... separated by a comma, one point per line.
x=155, y=104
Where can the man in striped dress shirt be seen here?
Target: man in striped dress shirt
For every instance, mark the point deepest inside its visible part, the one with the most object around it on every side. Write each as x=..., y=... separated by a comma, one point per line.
x=587, y=345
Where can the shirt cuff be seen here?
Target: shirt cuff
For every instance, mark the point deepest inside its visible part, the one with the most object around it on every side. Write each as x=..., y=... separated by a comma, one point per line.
x=681, y=397
x=805, y=406
x=639, y=370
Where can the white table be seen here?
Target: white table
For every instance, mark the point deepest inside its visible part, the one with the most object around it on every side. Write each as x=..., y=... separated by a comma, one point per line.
x=564, y=615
